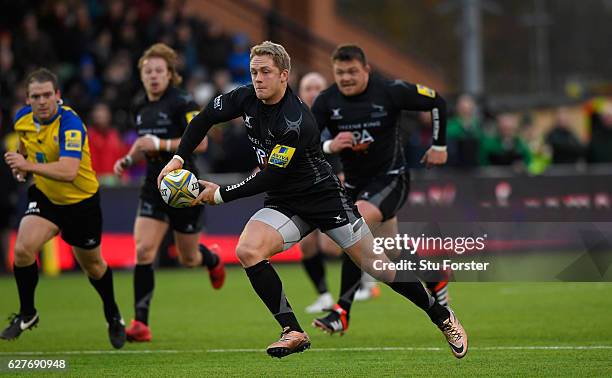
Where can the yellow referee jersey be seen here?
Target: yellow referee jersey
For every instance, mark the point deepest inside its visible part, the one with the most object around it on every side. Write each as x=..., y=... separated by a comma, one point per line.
x=63, y=135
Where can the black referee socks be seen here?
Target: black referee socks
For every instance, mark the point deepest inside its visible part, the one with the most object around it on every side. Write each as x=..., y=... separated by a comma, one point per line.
x=104, y=287
x=27, y=279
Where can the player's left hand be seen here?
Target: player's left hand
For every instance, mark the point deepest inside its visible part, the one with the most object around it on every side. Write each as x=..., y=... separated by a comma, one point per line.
x=434, y=157
x=16, y=161
x=207, y=195
x=172, y=165
x=147, y=143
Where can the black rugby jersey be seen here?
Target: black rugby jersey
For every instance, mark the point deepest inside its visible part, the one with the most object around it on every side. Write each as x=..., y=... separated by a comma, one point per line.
x=284, y=137
x=372, y=117
x=166, y=118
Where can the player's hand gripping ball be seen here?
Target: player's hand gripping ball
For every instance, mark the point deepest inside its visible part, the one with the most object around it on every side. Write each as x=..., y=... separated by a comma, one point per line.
x=179, y=187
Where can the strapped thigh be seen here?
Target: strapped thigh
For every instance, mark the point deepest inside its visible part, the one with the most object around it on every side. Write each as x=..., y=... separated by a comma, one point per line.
x=349, y=234
x=291, y=229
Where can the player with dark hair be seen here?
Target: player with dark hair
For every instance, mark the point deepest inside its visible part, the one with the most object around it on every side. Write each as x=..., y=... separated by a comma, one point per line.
x=302, y=194
x=161, y=117
x=361, y=113
x=53, y=147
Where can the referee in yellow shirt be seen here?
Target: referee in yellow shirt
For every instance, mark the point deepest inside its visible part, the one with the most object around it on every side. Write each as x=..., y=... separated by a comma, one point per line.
x=64, y=198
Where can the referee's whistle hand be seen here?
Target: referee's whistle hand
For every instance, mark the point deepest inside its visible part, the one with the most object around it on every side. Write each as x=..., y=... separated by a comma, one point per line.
x=172, y=165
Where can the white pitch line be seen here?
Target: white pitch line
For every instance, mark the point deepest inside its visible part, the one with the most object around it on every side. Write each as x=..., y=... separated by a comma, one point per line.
x=355, y=349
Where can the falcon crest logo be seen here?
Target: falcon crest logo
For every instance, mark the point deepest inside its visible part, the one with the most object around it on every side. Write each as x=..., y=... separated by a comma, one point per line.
x=336, y=114
x=293, y=125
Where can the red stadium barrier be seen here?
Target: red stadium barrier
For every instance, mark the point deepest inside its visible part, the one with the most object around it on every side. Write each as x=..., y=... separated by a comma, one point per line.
x=119, y=250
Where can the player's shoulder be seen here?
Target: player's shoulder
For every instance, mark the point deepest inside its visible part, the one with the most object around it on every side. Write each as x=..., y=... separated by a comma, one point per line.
x=22, y=117
x=237, y=96
x=388, y=84
x=293, y=104
x=179, y=95
x=329, y=92
x=329, y=97
x=138, y=101
x=244, y=91
x=70, y=119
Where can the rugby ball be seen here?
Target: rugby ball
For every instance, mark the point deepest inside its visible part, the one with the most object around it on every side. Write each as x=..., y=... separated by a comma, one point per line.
x=179, y=187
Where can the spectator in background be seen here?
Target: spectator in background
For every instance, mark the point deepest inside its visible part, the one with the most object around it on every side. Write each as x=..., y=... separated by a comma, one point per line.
x=33, y=48
x=563, y=143
x=505, y=147
x=600, y=147
x=9, y=79
x=419, y=137
x=105, y=143
x=119, y=87
x=102, y=48
x=464, y=134
x=218, y=48
x=222, y=81
x=188, y=47
x=238, y=61
x=535, y=141
x=93, y=85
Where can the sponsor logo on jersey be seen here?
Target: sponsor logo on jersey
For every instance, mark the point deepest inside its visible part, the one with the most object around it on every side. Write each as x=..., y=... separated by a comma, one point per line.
x=425, y=91
x=218, y=103
x=73, y=140
x=190, y=115
x=336, y=114
x=281, y=155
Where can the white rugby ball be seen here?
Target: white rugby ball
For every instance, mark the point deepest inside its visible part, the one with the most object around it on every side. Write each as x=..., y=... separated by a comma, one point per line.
x=179, y=187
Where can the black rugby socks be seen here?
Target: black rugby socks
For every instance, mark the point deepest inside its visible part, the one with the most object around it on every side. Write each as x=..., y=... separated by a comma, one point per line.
x=268, y=286
x=316, y=271
x=144, y=283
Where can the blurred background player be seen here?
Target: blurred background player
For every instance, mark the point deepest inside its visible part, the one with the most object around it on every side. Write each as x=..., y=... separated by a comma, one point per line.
x=316, y=244
x=361, y=113
x=161, y=116
x=53, y=147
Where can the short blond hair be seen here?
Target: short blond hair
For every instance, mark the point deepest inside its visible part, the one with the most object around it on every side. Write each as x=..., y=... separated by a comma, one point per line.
x=167, y=53
x=279, y=55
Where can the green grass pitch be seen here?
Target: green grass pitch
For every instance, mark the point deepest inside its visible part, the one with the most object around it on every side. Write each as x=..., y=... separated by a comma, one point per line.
x=515, y=329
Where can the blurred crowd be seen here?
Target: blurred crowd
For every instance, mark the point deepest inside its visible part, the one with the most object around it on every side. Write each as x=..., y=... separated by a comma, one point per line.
x=94, y=45
x=572, y=134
